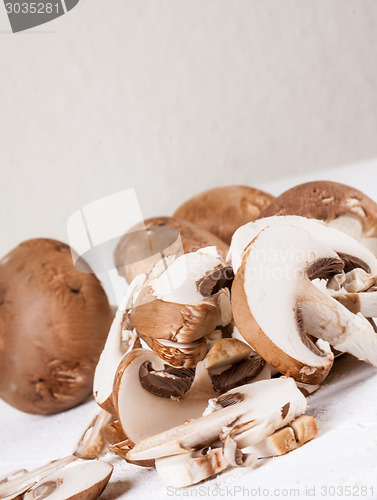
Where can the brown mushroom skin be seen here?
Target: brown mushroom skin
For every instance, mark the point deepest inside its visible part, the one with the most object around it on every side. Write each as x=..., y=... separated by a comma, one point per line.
x=222, y=210
x=54, y=321
x=326, y=200
x=192, y=236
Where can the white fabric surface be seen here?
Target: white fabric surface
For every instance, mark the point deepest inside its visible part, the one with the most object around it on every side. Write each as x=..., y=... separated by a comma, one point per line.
x=343, y=455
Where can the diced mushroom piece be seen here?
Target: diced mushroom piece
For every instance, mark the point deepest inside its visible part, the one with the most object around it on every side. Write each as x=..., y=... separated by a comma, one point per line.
x=275, y=305
x=289, y=438
x=259, y=408
x=117, y=344
x=18, y=484
x=192, y=467
x=85, y=480
x=171, y=306
x=179, y=354
x=141, y=412
x=92, y=444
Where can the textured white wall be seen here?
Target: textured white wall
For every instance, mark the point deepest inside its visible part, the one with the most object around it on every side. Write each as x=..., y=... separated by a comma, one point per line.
x=174, y=96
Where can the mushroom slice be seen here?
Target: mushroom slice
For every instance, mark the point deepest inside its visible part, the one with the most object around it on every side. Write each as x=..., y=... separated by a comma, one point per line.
x=144, y=414
x=92, y=442
x=353, y=253
x=16, y=485
x=179, y=354
x=293, y=436
x=262, y=407
x=266, y=300
x=171, y=306
x=231, y=363
x=115, y=348
x=84, y=480
x=190, y=468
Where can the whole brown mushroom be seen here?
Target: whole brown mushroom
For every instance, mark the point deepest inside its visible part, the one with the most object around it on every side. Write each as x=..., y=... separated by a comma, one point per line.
x=54, y=321
x=140, y=248
x=222, y=210
x=341, y=206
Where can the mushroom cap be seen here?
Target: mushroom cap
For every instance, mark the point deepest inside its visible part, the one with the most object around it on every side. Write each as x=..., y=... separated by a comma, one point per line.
x=222, y=210
x=327, y=201
x=53, y=324
x=134, y=255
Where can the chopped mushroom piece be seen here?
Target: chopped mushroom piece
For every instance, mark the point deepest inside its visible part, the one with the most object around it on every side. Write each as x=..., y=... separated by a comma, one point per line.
x=295, y=434
x=92, y=443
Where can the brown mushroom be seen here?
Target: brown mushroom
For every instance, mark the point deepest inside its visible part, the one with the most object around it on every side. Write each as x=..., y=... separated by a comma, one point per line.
x=53, y=324
x=344, y=207
x=142, y=246
x=224, y=209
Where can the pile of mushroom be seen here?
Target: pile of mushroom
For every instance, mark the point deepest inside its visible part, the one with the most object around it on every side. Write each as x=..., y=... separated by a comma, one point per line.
x=226, y=348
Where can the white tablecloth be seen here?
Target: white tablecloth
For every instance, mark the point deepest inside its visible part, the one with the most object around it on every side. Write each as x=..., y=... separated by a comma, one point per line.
x=340, y=463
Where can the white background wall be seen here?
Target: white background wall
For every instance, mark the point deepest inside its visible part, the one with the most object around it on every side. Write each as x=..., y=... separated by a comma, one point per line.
x=174, y=96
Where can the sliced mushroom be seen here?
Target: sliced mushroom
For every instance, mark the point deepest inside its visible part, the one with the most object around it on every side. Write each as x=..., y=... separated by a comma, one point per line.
x=260, y=408
x=350, y=251
x=231, y=363
x=92, y=444
x=144, y=414
x=117, y=344
x=171, y=306
x=344, y=207
x=266, y=299
x=303, y=307
x=17, y=484
x=84, y=480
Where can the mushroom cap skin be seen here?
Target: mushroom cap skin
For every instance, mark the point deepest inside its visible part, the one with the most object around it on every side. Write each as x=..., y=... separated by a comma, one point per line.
x=53, y=325
x=334, y=203
x=80, y=480
x=223, y=209
x=265, y=300
x=131, y=246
